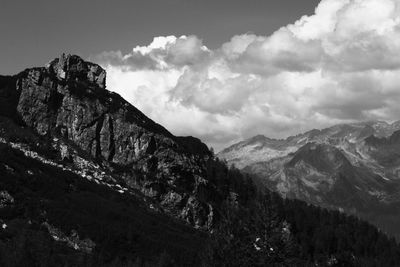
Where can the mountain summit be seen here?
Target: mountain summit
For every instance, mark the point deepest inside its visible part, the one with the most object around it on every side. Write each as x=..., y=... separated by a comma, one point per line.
x=66, y=101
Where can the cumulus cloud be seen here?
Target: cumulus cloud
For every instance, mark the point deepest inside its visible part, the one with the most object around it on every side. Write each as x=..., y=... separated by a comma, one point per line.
x=338, y=65
x=162, y=53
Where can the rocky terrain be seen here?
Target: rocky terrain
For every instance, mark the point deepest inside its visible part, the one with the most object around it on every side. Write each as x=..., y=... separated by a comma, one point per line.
x=67, y=102
x=61, y=116
x=350, y=167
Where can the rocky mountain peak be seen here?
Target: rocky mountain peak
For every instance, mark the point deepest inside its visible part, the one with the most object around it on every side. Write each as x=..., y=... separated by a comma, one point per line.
x=67, y=100
x=73, y=68
x=323, y=157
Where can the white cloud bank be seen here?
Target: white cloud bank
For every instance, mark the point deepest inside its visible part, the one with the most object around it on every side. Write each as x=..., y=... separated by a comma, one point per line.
x=340, y=64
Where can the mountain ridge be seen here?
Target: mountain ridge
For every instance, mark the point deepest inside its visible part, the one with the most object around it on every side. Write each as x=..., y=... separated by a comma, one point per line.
x=356, y=161
x=68, y=99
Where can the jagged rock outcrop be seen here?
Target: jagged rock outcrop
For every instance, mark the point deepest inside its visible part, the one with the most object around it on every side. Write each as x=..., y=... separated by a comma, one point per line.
x=67, y=99
x=73, y=68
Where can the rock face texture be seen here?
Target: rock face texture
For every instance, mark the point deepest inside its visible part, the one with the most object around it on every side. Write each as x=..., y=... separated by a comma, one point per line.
x=67, y=99
x=73, y=68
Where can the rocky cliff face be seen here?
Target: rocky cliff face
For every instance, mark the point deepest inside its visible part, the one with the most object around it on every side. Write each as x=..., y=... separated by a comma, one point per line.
x=67, y=100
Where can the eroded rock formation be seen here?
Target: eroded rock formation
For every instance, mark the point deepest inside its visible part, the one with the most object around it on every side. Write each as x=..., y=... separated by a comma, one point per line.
x=67, y=99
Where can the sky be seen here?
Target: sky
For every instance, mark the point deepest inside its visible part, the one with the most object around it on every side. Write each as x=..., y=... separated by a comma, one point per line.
x=33, y=32
x=224, y=71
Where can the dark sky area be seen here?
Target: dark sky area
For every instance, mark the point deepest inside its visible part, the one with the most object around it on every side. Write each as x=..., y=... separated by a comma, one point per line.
x=33, y=32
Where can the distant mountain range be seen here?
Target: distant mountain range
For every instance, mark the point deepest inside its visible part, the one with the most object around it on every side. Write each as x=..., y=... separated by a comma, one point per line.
x=354, y=168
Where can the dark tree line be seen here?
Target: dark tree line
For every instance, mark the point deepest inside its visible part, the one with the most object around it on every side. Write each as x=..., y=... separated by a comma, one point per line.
x=260, y=228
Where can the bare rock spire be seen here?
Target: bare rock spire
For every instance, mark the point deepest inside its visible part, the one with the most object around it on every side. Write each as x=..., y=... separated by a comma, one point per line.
x=72, y=67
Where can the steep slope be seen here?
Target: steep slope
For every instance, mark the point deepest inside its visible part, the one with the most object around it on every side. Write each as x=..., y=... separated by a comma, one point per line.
x=90, y=175
x=67, y=100
x=57, y=218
